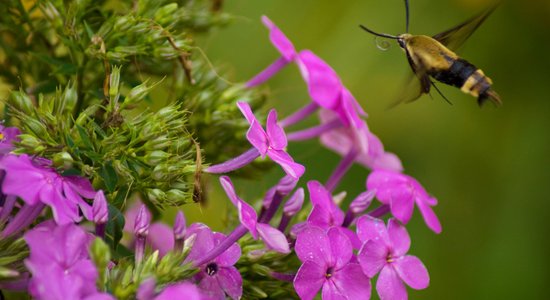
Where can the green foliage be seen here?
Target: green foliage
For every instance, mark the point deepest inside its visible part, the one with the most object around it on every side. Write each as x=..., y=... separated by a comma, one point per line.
x=256, y=266
x=12, y=253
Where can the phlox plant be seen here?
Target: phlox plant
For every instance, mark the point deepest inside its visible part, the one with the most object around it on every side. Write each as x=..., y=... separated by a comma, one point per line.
x=118, y=118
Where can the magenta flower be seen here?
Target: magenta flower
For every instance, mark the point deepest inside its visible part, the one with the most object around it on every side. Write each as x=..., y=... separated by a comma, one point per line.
x=272, y=237
x=59, y=262
x=271, y=142
x=8, y=135
x=342, y=140
x=401, y=192
x=217, y=277
x=384, y=250
x=176, y=291
x=327, y=265
x=64, y=194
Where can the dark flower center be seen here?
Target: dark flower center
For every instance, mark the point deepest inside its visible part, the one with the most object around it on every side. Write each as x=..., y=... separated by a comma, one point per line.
x=211, y=269
x=329, y=272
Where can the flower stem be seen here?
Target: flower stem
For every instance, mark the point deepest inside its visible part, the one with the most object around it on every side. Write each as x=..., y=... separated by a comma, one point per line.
x=139, y=248
x=7, y=208
x=283, y=276
x=234, y=236
x=100, y=229
x=234, y=163
x=22, y=219
x=313, y=131
x=299, y=115
x=341, y=169
x=273, y=207
x=267, y=72
x=285, y=219
x=380, y=211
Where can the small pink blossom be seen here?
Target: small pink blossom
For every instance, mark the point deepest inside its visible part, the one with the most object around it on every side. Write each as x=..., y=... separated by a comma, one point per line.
x=327, y=258
x=384, y=250
x=64, y=194
x=401, y=192
x=271, y=142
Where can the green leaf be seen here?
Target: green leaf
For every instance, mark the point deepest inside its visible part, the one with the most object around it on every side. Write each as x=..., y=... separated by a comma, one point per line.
x=108, y=174
x=114, y=227
x=84, y=137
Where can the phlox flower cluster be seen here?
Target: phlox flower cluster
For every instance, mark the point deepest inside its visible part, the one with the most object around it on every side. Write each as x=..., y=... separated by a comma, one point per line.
x=342, y=250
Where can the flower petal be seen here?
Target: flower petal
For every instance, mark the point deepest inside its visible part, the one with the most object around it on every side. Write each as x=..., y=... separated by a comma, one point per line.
x=275, y=133
x=323, y=83
x=412, y=271
x=389, y=286
x=230, y=281
x=279, y=40
x=372, y=257
x=402, y=204
x=370, y=228
x=399, y=238
x=161, y=238
x=273, y=238
x=341, y=248
x=309, y=279
x=229, y=189
x=291, y=168
x=230, y=256
x=352, y=282
x=257, y=137
x=245, y=109
x=204, y=242
x=331, y=292
x=210, y=287
x=429, y=216
x=313, y=244
x=178, y=290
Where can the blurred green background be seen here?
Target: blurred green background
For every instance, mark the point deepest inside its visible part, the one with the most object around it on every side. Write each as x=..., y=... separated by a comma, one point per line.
x=488, y=167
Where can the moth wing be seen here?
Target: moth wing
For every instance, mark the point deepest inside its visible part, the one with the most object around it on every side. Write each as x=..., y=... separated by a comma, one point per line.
x=417, y=83
x=456, y=36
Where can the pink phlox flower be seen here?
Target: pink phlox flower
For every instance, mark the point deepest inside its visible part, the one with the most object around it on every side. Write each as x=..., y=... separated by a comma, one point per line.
x=176, y=291
x=342, y=140
x=327, y=264
x=59, y=262
x=272, y=237
x=64, y=194
x=401, y=192
x=219, y=276
x=187, y=290
x=271, y=142
x=8, y=135
x=384, y=250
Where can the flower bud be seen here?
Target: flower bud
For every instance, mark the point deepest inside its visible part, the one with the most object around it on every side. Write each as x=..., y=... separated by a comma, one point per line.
x=177, y=196
x=100, y=211
x=362, y=202
x=155, y=157
x=164, y=14
x=63, y=160
x=114, y=82
x=22, y=102
x=180, y=226
x=143, y=220
x=294, y=204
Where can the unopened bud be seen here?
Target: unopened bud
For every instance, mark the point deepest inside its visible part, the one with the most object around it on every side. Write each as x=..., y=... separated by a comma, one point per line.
x=143, y=220
x=63, y=160
x=21, y=101
x=362, y=202
x=99, y=208
x=294, y=203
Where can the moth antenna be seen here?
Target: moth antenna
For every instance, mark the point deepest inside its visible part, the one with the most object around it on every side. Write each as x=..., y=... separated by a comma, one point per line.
x=407, y=16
